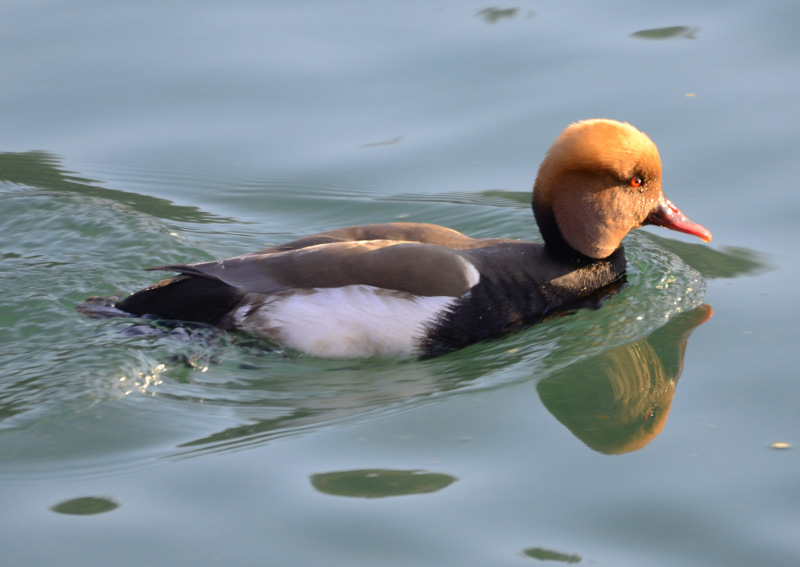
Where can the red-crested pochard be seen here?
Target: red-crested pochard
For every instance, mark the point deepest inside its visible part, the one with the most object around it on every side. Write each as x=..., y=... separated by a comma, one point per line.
x=421, y=289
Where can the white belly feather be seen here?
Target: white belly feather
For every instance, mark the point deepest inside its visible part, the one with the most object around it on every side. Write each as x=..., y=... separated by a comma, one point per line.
x=350, y=321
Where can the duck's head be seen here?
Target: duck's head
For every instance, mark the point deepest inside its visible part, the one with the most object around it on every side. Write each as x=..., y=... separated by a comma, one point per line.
x=600, y=180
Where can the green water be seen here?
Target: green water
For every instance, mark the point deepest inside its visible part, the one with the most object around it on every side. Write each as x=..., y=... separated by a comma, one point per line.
x=154, y=133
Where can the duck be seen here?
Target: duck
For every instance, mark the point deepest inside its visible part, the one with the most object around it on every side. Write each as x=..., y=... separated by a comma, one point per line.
x=405, y=289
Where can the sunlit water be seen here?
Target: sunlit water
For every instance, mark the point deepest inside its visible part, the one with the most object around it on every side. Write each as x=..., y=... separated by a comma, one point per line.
x=641, y=433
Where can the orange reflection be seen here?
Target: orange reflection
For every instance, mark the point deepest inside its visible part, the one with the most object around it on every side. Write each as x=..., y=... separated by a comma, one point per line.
x=618, y=401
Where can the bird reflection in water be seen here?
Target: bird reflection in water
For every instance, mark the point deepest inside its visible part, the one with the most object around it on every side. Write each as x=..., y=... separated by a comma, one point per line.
x=618, y=401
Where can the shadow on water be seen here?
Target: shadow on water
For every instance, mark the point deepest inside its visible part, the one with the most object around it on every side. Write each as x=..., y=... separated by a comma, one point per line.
x=43, y=170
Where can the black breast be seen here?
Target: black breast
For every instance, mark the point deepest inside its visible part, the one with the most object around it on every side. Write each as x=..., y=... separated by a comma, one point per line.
x=521, y=284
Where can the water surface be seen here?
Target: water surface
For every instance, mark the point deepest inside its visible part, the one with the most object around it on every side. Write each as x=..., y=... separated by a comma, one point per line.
x=156, y=133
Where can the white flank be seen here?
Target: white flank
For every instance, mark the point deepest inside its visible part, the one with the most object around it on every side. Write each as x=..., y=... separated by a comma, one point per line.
x=345, y=322
x=472, y=273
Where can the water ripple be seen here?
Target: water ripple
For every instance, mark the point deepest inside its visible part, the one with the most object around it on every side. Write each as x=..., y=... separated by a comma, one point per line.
x=224, y=390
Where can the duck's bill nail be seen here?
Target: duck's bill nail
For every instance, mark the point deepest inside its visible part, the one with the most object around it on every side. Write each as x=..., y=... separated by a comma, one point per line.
x=669, y=216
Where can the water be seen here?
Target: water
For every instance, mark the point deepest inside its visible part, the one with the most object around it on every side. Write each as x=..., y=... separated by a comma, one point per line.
x=156, y=133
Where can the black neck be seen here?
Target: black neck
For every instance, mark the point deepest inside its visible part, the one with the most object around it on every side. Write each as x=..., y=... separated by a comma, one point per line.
x=555, y=243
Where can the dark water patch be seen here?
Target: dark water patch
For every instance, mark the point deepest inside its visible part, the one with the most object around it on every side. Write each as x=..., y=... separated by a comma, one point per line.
x=43, y=170
x=671, y=32
x=726, y=262
x=389, y=142
x=544, y=554
x=494, y=15
x=85, y=506
x=380, y=483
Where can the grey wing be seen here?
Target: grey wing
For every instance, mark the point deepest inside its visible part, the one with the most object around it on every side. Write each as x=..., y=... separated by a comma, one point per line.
x=415, y=268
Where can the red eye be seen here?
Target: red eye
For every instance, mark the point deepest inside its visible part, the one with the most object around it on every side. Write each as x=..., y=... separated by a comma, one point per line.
x=635, y=181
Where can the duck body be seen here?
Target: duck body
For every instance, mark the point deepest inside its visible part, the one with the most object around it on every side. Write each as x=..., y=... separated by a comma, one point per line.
x=388, y=289
x=412, y=289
